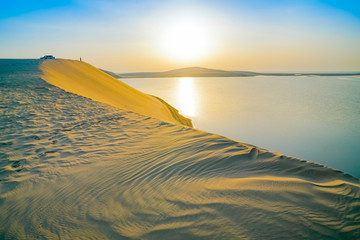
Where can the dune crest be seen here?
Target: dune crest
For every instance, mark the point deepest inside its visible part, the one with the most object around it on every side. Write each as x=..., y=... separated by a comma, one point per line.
x=85, y=80
x=74, y=168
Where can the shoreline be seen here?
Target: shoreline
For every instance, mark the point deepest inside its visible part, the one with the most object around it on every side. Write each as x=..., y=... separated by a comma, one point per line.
x=74, y=167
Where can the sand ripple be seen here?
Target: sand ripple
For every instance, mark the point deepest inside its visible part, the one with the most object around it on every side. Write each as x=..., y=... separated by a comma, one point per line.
x=74, y=168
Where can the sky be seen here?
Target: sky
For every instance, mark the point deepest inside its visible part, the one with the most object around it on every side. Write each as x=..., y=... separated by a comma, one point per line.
x=160, y=35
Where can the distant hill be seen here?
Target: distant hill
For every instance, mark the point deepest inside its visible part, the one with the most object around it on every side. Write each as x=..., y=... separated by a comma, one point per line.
x=208, y=72
x=190, y=72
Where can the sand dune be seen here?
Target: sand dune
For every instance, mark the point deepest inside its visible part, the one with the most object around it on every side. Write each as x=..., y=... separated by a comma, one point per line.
x=76, y=168
x=85, y=80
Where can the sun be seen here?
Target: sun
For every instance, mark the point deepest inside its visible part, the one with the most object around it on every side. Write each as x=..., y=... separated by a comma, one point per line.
x=185, y=40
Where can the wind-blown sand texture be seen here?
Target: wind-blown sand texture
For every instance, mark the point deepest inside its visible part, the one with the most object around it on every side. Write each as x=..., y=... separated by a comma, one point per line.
x=87, y=81
x=76, y=168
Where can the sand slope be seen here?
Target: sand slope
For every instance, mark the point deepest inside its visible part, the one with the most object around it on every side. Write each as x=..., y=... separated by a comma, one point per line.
x=85, y=80
x=75, y=168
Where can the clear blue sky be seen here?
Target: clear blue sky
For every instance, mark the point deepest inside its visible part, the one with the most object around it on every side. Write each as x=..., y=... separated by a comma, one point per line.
x=141, y=35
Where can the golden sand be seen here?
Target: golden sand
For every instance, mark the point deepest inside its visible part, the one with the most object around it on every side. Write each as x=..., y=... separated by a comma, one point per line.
x=85, y=80
x=73, y=168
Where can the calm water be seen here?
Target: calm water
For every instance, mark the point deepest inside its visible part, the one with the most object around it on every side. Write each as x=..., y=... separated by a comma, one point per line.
x=71, y=167
x=313, y=118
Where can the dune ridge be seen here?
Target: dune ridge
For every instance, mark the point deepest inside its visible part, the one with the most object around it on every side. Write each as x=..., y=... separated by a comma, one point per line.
x=85, y=80
x=76, y=168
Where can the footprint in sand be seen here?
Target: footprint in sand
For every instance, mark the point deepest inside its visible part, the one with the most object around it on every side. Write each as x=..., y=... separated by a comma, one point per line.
x=15, y=164
x=254, y=152
x=36, y=137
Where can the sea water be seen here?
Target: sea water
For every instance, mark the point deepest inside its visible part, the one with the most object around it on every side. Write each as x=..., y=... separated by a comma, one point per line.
x=312, y=118
x=71, y=166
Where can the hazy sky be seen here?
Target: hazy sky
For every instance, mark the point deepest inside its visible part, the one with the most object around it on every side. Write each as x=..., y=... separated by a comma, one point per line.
x=144, y=35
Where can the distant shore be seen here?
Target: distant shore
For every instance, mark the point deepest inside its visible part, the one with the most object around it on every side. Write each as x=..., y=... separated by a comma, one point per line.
x=208, y=72
x=86, y=156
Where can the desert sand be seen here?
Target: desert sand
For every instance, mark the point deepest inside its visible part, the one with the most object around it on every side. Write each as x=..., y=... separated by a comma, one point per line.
x=85, y=80
x=74, y=168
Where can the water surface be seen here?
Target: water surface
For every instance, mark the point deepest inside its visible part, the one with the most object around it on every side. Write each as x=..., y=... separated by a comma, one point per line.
x=313, y=118
x=71, y=167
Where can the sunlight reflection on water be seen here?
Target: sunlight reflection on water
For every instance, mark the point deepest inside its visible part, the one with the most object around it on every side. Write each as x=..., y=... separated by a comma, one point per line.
x=186, y=96
x=314, y=118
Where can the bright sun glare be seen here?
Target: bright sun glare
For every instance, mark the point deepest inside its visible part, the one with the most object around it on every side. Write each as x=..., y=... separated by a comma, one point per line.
x=186, y=97
x=185, y=41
